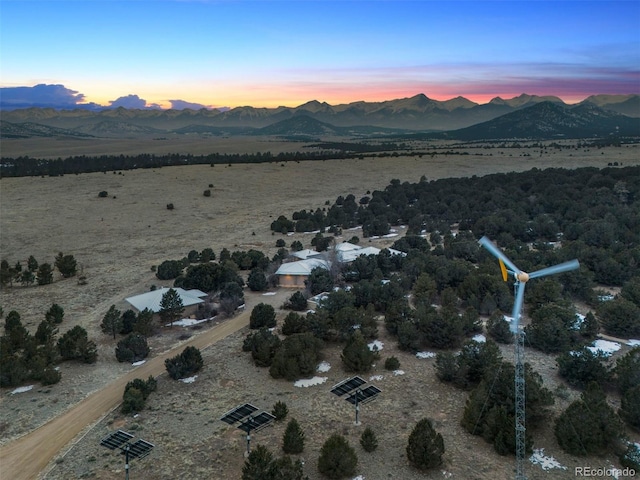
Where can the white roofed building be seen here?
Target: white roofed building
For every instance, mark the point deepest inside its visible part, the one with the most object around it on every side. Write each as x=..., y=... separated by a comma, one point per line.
x=294, y=274
x=152, y=299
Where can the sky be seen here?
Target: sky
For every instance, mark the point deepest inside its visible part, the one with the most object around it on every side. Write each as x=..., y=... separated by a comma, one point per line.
x=217, y=53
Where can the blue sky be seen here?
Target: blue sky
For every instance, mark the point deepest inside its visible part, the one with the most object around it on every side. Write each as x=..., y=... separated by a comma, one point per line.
x=269, y=53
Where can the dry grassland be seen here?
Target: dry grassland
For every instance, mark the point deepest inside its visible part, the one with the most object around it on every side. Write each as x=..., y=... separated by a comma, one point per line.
x=117, y=239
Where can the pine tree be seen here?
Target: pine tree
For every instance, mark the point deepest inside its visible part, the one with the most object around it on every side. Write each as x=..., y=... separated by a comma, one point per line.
x=111, y=322
x=171, y=307
x=368, y=440
x=337, y=458
x=356, y=355
x=425, y=447
x=589, y=426
x=293, y=439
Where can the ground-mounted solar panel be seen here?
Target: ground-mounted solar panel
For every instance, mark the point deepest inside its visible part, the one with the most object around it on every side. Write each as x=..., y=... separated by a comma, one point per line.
x=363, y=396
x=347, y=386
x=236, y=414
x=116, y=439
x=254, y=424
x=139, y=449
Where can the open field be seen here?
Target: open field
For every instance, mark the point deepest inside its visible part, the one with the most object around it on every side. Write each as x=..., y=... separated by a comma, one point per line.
x=117, y=240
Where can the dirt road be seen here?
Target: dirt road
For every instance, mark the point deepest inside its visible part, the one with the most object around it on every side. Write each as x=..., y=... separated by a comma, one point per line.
x=27, y=457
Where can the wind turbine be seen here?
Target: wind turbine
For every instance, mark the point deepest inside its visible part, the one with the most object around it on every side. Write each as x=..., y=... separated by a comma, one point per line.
x=521, y=278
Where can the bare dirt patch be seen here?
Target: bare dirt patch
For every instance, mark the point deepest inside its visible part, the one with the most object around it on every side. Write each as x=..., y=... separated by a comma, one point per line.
x=117, y=240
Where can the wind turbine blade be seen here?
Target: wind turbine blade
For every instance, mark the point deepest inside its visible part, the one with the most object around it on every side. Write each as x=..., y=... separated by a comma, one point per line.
x=560, y=268
x=503, y=269
x=517, y=307
x=496, y=252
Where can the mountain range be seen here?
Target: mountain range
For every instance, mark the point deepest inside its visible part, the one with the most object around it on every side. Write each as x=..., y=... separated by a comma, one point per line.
x=459, y=117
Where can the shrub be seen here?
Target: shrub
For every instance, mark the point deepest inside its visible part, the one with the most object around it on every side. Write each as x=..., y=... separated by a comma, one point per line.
x=262, y=316
x=498, y=328
x=185, y=364
x=170, y=206
x=280, y=410
x=589, y=426
x=169, y=269
x=356, y=355
x=294, y=323
x=103, y=194
x=136, y=393
x=582, y=366
x=368, y=439
x=263, y=346
x=630, y=407
x=425, y=447
x=297, y=357
x=132, y=349
x=55, y=314
x=293, y=439
x=297, y=302
x=257, y=281
x=280, y=243
x=337, y=458
x=391, y=363
x=50, y=376
x=207, y=193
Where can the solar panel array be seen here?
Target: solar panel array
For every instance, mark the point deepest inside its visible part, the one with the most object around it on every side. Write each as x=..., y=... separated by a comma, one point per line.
x=139, y=449
x=363, y=396
x=236, y=414
x=116, y=439
x=256, y=423
x=347, y=386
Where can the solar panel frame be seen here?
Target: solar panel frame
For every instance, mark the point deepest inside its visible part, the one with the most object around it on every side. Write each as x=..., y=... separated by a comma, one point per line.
x=256, y=423
x=366, y=395
x=116, y=439
x=238, y=413
x=139, y=449
x=347, y=386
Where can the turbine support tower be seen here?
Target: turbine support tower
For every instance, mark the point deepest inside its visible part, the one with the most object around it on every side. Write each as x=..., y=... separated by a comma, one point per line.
x=520, y=280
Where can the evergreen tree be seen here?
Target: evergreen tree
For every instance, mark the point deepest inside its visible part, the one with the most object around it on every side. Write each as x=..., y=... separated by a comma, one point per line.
x=258, y=465
x=627, y=370
x=293, y=439
x=184, y=364
x=171, y=307
x=337, y=458
x=66, y=265
x=111, y=322
x=75, y=344
x=368, y=440
x=144, y=323
x=263, y=315
x=425, y=447
x=132, y=349
x=630, y=407
x=45, y=274
x=257, y=281
x=280, y=410
x=32, y=264
x=498, y=328
x=582, y=366
x=356, y=355
x=589, y=426
x=55, y=314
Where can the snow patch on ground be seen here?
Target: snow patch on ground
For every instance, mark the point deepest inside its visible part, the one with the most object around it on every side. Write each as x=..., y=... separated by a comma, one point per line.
x=22, y=389
x=310, y=382
x=579, y=321
x=359, y=477
x=375, y=378
x=137, y=364
x=398, y=372
x=633, y=343
x=479, y=338
x=323, y=367
x=187, y=322
x=376, y=345
x=189, y=379
x=604, y=346
x=546, y=463
x=425, y=354
x=268, y=293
